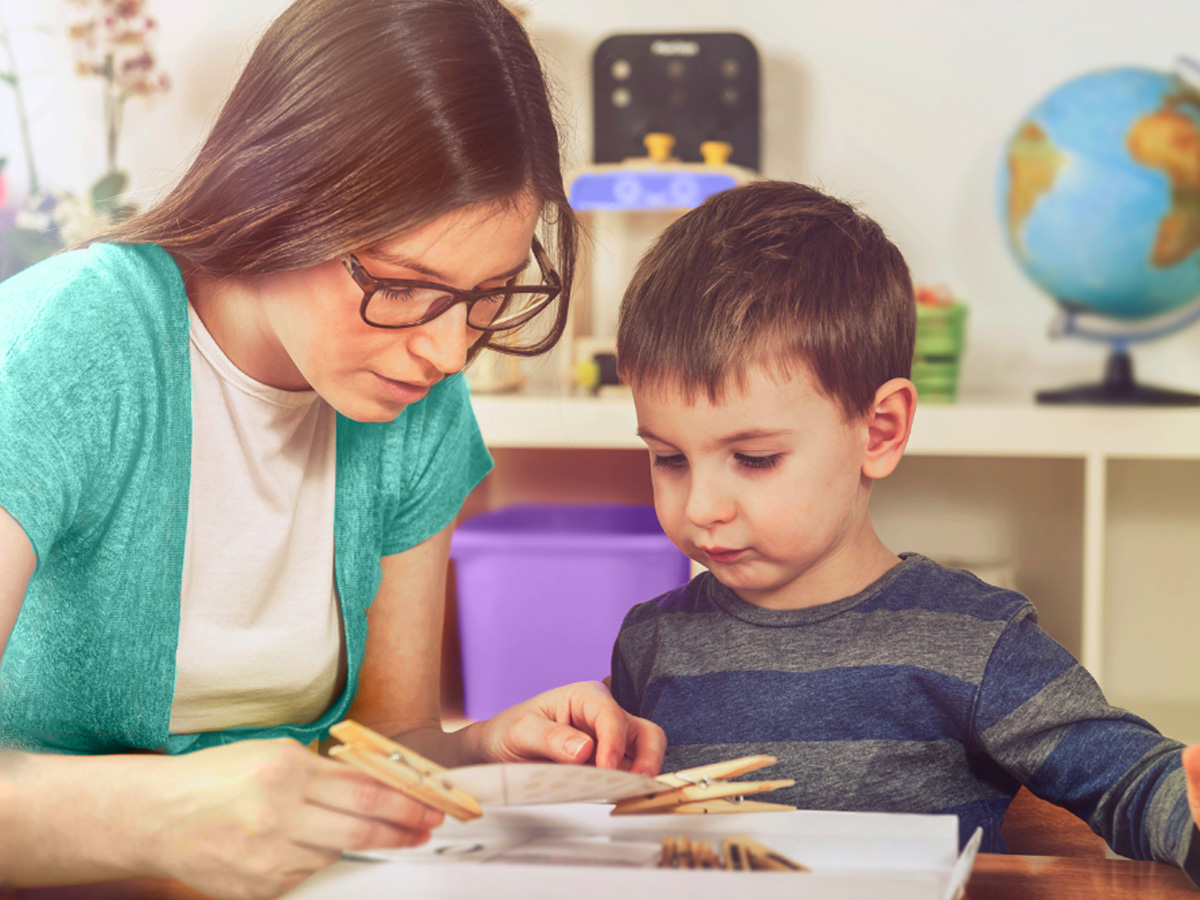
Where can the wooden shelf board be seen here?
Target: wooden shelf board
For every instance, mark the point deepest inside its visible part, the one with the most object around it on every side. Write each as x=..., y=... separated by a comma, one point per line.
x=1001, y=429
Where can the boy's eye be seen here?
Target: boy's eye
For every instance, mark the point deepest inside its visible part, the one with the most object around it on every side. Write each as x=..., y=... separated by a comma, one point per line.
x=758, y=462
x=678, y=461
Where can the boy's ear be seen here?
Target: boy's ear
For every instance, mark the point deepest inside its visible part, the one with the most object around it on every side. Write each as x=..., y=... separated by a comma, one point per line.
x=889, y=423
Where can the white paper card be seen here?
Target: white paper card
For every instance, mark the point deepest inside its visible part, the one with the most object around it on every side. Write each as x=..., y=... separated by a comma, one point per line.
x=523, y=784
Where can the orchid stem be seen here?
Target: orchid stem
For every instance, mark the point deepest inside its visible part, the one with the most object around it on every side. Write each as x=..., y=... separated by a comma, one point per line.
x=22, y=114
x=112, y=112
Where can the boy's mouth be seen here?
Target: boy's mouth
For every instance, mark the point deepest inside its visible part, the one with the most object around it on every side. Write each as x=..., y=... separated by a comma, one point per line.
x=722, y=554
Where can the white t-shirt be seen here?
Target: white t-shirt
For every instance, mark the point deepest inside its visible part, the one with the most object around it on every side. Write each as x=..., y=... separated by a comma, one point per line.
x=260, y=629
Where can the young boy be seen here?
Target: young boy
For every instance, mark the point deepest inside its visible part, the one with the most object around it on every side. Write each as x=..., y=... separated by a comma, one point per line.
x=768, y=337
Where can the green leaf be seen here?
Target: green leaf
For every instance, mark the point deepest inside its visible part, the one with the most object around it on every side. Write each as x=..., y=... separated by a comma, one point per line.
x=30, y=245
x=9, y=78
x=122, y=212
x=108, y=189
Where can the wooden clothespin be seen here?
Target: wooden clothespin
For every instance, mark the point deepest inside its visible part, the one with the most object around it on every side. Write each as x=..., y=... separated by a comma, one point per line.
x=746, y=853
x=405, y=770
x=739, y=853
x=704, y=790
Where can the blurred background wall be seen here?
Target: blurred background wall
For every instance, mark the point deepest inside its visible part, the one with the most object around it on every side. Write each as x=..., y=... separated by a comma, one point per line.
x=903, y=107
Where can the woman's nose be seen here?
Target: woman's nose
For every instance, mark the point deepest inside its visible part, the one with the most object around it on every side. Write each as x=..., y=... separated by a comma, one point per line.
x=444, y=342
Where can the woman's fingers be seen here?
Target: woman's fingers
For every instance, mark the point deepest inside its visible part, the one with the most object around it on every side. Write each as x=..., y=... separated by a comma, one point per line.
x=253, y=819
x=338, y=787
x=326, y=831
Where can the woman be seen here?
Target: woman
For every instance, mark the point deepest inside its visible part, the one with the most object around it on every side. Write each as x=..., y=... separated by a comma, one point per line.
x=232, y=446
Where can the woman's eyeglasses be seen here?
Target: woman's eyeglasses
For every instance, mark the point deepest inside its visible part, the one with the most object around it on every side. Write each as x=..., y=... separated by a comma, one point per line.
x=405, y=303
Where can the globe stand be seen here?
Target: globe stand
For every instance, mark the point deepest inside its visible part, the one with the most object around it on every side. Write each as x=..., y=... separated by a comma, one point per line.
x=1118, y=387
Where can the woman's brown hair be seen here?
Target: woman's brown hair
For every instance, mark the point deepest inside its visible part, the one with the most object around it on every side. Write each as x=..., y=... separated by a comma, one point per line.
x=772, y=273
x=357, y=120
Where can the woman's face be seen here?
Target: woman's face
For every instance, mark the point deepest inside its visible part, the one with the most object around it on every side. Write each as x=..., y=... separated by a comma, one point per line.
x=371, y=374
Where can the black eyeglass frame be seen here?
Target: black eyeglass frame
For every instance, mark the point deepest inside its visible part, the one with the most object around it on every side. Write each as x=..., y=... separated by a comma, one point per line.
x=370, y=285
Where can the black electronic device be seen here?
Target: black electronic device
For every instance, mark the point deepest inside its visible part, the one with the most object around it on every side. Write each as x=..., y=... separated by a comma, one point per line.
x=695, y=87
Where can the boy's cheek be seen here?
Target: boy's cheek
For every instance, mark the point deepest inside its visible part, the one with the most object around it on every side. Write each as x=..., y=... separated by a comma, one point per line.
x=669, y=518
x=670, y=506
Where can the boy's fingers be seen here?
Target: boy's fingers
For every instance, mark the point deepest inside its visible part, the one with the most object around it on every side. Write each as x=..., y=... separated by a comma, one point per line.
x=648, y=743
x=535, y=737
x=623, y=741
x=577, y=723
x=1191, y=765
x=611, y=726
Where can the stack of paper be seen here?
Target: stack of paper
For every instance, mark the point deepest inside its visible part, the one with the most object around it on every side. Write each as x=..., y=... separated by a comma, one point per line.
x=580, y=851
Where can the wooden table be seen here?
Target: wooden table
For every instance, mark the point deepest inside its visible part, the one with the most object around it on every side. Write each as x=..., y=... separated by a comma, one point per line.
x=999, y=877
x=995, y=877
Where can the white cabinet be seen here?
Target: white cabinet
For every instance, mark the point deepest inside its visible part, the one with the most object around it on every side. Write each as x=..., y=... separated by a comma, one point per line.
x=1096, y=510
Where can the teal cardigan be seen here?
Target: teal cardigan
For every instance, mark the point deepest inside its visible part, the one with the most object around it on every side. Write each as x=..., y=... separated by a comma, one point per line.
x=95, y=464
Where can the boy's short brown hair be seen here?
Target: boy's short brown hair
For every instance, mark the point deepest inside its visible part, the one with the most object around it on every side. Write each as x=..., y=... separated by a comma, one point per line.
x=773, y=273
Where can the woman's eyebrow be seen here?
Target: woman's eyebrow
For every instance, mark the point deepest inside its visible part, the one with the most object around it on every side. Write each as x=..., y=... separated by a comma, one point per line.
x=407, y=262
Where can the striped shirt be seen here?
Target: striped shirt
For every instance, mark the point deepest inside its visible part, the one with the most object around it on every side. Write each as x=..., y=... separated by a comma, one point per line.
x=929, y=691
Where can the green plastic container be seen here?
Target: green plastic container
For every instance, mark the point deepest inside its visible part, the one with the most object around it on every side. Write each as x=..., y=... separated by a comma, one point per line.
x=940, y=330
x=941, y=334
x=936, y=379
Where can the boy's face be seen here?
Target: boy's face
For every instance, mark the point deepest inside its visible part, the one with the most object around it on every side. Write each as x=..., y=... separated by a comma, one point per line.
x=765, y=488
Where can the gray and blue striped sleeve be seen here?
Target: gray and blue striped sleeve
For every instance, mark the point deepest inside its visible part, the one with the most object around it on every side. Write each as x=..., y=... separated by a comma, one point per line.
x=1044, y=719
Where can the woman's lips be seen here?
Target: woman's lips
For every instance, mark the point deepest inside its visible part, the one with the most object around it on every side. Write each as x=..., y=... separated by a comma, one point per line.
x=402, y=391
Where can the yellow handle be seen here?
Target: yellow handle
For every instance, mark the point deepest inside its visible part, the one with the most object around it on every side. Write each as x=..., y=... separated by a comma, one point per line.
x=716, y=153
x=659, y=145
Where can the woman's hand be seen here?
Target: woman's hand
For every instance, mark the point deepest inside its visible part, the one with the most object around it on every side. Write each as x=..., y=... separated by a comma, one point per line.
x=256, y=818
x=576, y=723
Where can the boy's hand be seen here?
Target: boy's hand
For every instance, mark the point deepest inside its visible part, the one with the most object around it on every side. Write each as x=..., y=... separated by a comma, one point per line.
x=575, y=723
x=1191, y=765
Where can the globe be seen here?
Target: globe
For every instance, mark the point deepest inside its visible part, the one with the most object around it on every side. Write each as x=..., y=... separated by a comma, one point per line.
x=1100, y=200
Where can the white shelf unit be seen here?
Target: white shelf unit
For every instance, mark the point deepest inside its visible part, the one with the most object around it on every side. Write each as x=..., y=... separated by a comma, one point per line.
x=1096, y=511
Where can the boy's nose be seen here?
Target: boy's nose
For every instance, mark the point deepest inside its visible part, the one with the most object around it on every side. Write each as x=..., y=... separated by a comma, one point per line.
x=708, y=504
x=444, y=342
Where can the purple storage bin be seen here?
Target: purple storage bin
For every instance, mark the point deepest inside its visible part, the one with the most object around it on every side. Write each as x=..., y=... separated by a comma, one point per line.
x=542, y=591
